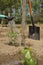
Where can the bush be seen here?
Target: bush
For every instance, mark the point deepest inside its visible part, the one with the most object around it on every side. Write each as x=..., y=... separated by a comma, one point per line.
x=12, y=37
x=28, y=59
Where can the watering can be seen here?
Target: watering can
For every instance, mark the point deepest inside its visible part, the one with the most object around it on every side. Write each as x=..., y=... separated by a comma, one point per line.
x=34, y=31
x=6, y=17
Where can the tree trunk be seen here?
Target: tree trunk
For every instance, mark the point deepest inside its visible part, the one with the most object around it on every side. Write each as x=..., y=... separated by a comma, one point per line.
x=23, y=4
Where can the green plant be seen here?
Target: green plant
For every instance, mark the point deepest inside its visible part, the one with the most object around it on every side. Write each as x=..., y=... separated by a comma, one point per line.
x=12, y=36
x=29, y=60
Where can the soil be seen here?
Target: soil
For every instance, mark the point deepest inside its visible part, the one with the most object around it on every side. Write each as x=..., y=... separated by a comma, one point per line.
x=9, y=54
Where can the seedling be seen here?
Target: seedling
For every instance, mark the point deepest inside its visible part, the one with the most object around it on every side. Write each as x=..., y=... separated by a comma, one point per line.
x=12, y=36
x=28, y=60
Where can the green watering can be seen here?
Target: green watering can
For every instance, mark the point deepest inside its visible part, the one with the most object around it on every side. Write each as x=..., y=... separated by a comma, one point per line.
x=6, y=17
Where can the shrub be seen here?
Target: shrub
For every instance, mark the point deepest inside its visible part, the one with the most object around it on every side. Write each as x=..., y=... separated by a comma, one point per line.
x=12, y=37
x=28, y=59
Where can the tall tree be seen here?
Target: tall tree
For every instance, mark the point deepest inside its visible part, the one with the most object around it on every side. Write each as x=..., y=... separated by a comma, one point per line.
x=23, y=4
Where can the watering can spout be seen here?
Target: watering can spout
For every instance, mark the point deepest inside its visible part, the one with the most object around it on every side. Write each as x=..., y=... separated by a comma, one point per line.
x=6, y=17
x=9, y=18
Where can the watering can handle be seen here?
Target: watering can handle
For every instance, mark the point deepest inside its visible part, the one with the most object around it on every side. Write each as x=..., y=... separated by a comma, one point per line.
x=30, y=5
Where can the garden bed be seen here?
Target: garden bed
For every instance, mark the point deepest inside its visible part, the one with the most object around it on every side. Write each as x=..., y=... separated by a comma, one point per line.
x=9, y=54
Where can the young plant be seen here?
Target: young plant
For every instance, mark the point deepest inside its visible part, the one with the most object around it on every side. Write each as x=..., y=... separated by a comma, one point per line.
x=12, y=37
x=29, y=60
